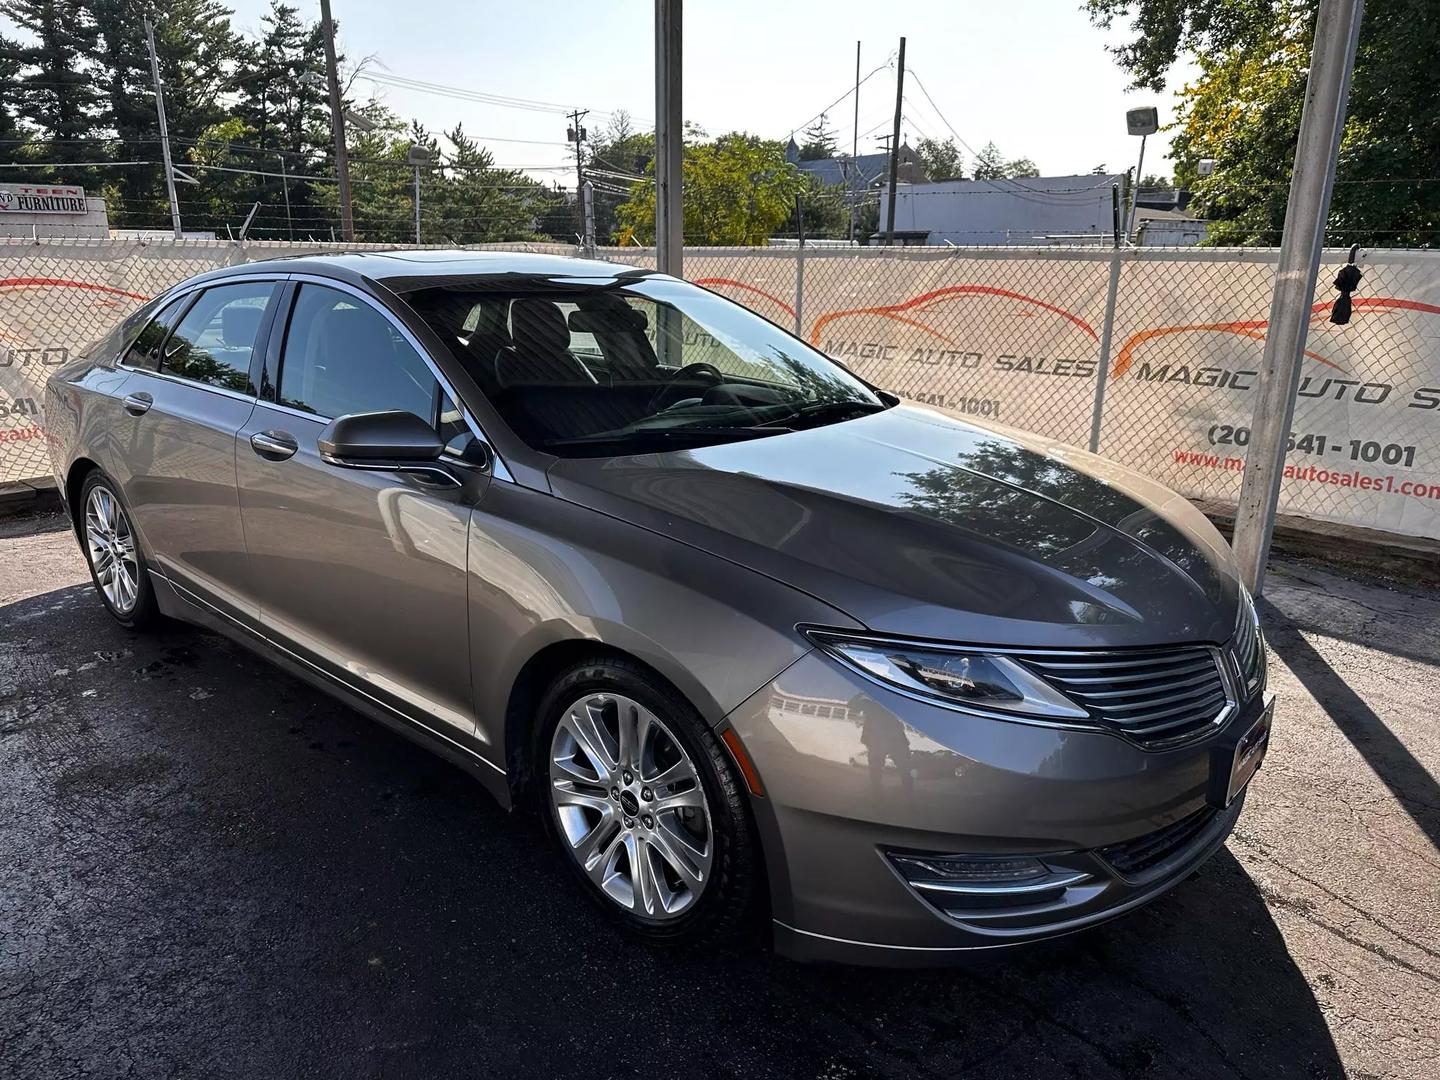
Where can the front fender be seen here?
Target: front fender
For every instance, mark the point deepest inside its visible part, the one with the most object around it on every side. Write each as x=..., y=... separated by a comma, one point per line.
x=543, y=571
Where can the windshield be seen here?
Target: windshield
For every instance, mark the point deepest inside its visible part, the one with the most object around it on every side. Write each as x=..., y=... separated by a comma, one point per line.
x=636, y=366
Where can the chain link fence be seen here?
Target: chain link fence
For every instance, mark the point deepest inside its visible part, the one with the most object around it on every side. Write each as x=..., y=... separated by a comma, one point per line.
x=1149, y=356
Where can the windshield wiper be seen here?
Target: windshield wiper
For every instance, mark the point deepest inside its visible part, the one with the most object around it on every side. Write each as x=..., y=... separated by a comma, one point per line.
x=668, y=436
x=824, y=410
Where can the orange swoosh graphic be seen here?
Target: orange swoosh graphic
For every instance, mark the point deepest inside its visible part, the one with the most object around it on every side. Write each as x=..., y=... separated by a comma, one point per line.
x=747, y=288
x=30, y=282
x=1125, y=358
x=923, y=301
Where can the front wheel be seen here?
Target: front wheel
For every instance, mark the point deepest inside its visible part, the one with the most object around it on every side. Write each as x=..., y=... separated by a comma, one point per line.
x=112, y=550
x=645, y=805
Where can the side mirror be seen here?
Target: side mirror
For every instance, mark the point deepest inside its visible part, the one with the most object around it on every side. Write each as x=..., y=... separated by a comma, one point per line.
x=378, y=438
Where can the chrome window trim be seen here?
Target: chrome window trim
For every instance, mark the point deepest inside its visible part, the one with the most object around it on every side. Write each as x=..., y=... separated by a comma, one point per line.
x=180, y=293
x=498, y=468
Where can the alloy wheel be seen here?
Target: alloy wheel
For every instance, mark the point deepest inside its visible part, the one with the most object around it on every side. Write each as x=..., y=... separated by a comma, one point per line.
x=111, y=543
x=631, y=806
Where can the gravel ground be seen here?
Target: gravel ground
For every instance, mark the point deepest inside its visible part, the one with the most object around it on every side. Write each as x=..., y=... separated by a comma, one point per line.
x=208, y=869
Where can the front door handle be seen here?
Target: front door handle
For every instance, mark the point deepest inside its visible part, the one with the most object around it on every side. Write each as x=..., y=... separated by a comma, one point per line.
x=274, y=445
x=137, y=404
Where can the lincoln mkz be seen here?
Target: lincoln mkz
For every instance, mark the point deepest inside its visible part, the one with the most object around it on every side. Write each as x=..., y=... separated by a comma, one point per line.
x=762, y=644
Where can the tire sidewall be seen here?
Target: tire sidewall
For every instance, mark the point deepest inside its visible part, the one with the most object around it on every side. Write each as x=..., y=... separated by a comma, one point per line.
x=144, y=611
x=727, y=900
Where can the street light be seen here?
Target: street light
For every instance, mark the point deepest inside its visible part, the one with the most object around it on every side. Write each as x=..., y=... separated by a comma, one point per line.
x=1144, y=122
x=419, y=157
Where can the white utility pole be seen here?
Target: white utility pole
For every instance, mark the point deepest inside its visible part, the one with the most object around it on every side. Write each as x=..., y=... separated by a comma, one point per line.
x=669, y=138
x=164, y=131
x=1337, y=29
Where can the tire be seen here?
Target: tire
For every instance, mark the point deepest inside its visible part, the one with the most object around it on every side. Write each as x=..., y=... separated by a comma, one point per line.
x=112, y=551
x=663, y=905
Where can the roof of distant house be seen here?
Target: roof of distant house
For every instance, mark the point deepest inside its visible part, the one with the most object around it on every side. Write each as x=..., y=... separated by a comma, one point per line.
x=860, y=171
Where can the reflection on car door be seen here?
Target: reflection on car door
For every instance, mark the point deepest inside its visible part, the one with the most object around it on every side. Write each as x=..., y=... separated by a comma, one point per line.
x=360, y=574
x=188, y=394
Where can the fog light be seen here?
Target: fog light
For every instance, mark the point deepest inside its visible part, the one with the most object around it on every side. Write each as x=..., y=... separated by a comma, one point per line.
x=974, y=869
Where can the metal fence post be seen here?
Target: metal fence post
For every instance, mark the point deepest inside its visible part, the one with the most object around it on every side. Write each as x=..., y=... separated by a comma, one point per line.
x=1322, y=120
x=799, y=270
x=1102, y=374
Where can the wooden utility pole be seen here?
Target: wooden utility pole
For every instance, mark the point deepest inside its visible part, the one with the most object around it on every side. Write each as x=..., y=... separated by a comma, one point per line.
x=337, y=123
x=895, y=144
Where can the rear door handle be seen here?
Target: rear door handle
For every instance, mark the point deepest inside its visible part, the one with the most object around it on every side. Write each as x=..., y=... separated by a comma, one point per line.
x=137, y=404
x=274, y=445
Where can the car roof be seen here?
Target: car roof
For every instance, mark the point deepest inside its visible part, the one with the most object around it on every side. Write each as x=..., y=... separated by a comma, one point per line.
x=405, y=270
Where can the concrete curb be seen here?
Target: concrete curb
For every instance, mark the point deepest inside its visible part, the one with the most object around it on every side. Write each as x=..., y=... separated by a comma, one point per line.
x=21, y=495
x=1411, y=559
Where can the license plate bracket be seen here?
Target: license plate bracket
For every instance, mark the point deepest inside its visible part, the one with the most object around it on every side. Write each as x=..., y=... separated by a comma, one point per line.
x=1235, y=759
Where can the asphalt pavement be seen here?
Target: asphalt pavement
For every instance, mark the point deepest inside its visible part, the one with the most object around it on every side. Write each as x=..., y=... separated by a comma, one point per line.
x=208, y=869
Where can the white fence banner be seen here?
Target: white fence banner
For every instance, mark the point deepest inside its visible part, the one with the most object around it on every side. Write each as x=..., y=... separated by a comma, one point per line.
x=1006, y=335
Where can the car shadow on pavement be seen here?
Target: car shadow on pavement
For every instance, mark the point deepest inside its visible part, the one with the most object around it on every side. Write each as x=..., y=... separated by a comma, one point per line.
x=1408, y=780
x=208, y=868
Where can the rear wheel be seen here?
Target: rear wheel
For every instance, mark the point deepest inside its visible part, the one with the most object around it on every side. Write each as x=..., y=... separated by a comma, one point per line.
x=644, y=804
x=112, y=549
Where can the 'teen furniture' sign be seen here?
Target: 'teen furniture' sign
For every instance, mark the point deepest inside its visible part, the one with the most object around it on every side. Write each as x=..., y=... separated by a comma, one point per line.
x=36, y=199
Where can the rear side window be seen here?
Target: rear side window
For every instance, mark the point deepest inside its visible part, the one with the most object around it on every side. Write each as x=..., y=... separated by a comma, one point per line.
x=214, y=341
x=342, y=356
x=145, y=352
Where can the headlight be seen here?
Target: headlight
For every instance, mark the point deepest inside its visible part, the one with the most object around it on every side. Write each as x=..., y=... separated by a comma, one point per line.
x=978, y=681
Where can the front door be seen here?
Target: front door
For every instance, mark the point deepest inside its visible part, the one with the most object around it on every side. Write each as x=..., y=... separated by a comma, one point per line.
x=188, y=394
x=360, y=574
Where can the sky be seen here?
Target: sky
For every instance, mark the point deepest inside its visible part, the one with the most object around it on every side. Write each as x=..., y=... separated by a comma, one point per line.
x=1031, y=75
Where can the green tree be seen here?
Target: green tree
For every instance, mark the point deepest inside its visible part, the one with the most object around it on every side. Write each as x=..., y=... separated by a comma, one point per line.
x=989, y=163
x=53, y=68
x=825, y=211
x=940, y=160
x=13, y=137
x=1244, y=112
x=475, y=202
x=818, y=140
x=198, y=54
x=1018, y=167
x=738, y=190
x=618, y=154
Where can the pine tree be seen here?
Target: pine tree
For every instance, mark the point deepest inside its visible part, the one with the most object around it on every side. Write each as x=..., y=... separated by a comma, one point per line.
x=989, y=163
x=52, y=71
x=819, y=140
x=198, y=53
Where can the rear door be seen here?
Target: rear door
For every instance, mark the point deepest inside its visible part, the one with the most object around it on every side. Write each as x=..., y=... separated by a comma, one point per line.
x=361, y=574
x=190, y=391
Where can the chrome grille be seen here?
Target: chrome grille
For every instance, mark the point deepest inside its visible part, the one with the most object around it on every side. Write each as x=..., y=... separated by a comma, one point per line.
x=1155, y=697
x=1133, y=858
x=1247, y=645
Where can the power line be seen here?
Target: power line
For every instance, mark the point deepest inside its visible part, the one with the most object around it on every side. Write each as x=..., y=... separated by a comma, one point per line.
x=849, y=90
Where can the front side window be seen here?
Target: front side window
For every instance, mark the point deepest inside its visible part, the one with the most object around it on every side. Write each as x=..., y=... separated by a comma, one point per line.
x=635, y=366
x=145, y=351
x=342, y=356
x=216, y=337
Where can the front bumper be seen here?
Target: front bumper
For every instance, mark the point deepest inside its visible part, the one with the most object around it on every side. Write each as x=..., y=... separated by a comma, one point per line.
x=852, y=770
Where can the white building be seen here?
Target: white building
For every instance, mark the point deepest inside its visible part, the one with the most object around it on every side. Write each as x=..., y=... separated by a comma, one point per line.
x=1030, y=210
x=36, y=210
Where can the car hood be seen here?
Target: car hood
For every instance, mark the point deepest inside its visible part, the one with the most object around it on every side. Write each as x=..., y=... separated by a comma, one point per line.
x=916, y=523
